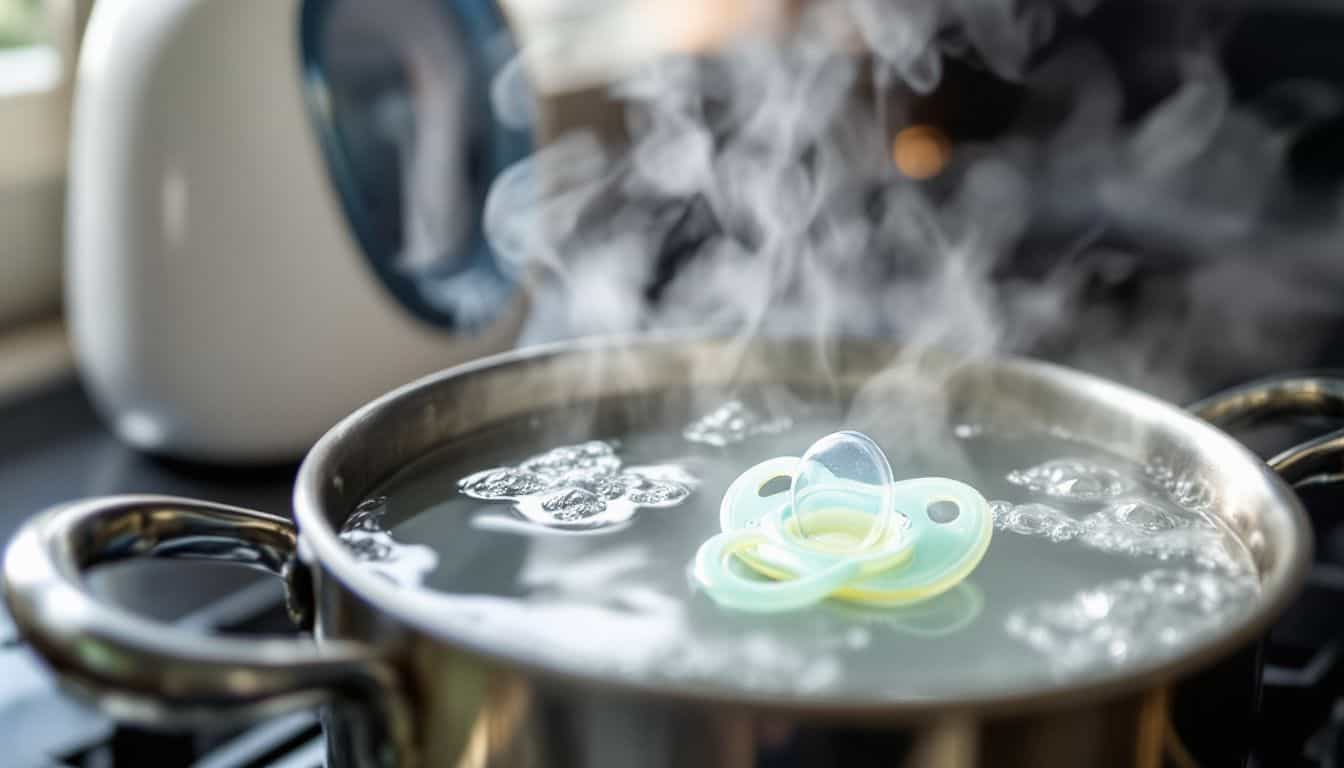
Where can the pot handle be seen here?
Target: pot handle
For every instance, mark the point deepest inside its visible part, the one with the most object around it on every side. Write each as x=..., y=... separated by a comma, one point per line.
x=144, y=671
x=1317, y=461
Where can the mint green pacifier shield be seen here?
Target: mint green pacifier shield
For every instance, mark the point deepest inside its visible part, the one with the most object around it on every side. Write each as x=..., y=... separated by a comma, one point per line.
x=756, y=493
x=832, y=535
x=950, y=529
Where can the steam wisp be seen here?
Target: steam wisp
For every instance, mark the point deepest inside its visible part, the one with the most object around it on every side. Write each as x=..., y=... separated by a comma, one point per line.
x=757, y=195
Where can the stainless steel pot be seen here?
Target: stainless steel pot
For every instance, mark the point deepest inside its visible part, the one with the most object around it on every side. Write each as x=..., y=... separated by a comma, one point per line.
x=399, y=689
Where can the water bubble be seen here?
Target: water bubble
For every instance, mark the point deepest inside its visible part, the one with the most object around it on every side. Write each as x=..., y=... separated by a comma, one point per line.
x=1146, y=529
x=603, y=484
x=999, y=511
x=574, y=504
x=366, y=536
x=1141, y=515
x=580, y=484
x=1168, y=586
x=502, y=483
x=367, y=547
x=368, y=515
x=733, y=422
x=1035, y=520
x=1072, y=479
x=1129, y=618
x=1193, y=493
x=842, y=494
x=1186, y=489
x=594, y=455
x=649, y=491
x=1132, y=527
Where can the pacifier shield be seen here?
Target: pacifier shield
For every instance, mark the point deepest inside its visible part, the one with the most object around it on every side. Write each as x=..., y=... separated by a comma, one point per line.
x=843, y=529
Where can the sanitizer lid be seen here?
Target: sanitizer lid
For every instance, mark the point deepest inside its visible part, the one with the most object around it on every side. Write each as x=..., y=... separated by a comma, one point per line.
x=400, y=94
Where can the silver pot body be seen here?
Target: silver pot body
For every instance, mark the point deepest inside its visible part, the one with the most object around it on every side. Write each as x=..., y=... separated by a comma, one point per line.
x=398, y=689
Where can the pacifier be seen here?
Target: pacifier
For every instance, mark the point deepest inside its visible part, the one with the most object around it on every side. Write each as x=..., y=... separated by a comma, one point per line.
x=835, y=523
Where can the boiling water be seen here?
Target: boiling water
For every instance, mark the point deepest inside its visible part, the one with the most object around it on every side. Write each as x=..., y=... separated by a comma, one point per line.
x=578, y=559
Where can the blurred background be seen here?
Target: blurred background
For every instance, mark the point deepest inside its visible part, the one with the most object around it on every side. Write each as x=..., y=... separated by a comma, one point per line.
x=37, y=100
x=226, y=223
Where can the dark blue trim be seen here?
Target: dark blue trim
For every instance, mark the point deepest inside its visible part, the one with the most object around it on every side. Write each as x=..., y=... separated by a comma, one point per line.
x=484, y=31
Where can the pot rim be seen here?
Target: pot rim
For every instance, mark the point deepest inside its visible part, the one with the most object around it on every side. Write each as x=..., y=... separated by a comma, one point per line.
x=1279, y=585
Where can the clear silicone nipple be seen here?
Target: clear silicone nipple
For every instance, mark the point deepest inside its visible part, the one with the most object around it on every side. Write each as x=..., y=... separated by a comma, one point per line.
x=842, y=498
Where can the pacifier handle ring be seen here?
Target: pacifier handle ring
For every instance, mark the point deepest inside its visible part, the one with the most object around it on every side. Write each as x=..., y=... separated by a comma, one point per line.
x=752, y=481
x=729, y=589
x=933, y=554
x=945, y=552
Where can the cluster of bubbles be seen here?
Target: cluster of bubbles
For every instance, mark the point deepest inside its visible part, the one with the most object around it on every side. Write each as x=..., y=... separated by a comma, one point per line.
x=1034, y=520
x=1157, y=512
x=1187, y=489
x=1122, y=520
x=1139, y=528
x=1072, y=479
x=1151, y=616
x=580, y=486
x=366, y=535
x=733, y=422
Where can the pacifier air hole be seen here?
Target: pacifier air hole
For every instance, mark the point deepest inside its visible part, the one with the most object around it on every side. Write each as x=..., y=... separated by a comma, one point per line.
x=775, y=485
x=943, y=511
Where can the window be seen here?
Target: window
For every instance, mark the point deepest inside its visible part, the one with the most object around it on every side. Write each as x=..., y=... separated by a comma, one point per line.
x=37, y=47
x=20, y=23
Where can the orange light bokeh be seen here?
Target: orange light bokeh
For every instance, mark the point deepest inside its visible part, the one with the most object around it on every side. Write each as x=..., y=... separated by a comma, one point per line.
x=921, y=151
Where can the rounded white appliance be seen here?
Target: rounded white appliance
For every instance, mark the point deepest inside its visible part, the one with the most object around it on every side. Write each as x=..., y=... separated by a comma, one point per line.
x=274, y=213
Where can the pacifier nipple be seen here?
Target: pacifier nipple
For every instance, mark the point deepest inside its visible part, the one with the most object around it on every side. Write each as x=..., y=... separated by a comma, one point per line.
x=841, y=495
x=845, y=528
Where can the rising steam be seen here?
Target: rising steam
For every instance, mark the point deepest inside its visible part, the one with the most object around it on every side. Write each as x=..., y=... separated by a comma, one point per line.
x=757, y=195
